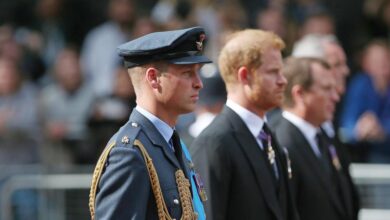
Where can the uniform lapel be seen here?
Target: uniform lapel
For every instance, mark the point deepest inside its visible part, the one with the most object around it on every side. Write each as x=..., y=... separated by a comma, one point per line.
x=315, y=165
x=154, y=136
x=258, y=163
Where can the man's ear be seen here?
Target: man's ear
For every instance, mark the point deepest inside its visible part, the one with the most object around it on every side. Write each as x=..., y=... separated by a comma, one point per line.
x=298, y=94
x=152, y=77
x=243, y=75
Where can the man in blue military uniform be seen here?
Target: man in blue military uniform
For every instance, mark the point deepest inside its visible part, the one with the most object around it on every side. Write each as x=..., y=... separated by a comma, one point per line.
x=145, y=172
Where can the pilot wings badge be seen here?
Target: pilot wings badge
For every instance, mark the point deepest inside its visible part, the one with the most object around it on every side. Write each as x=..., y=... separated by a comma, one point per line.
x=199, y=44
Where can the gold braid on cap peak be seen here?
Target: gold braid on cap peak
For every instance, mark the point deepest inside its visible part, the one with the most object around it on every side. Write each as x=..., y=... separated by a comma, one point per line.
x=183, y=186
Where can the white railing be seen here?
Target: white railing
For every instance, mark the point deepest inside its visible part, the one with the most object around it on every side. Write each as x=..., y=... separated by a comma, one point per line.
x=373, y=181
x=366, y=176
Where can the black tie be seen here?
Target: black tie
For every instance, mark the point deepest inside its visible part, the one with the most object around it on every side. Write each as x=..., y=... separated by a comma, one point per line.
x=323, y=147
x=328, y=154
x=268, y=149
x=177, y=147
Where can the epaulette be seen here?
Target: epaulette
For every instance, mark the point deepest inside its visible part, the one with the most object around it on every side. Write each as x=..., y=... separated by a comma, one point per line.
x=126, y=135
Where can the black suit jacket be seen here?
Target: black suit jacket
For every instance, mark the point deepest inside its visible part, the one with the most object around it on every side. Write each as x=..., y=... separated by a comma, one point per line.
x=238, y=180
x=315, y=191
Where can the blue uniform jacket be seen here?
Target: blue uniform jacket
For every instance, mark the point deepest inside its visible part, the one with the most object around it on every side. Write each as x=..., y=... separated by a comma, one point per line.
x=124, y=190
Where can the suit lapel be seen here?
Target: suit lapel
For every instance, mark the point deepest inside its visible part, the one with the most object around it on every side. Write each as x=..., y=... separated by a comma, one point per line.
x=154, y=136
x=253, y=152
x=284, y=191
x=315, y=165
x=342, y=177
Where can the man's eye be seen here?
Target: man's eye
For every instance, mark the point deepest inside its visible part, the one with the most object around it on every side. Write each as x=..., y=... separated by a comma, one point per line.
x=187, y=74
x=273, y=72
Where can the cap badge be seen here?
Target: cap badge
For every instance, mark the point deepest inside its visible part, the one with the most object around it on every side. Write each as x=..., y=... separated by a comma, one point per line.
x=199, y=44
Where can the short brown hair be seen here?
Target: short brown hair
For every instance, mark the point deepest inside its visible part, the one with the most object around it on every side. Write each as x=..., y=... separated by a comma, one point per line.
x=298, y=71
x=245, y=48
x=138, y=73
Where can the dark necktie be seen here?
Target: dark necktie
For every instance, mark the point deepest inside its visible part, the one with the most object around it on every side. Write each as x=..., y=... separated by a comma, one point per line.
x=324, y=149
x=332, y=164
x=177, y=147
x=274, y=167
x=268, y=149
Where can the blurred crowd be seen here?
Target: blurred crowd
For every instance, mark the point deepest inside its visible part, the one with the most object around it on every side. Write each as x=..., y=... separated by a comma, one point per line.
x=64, y=91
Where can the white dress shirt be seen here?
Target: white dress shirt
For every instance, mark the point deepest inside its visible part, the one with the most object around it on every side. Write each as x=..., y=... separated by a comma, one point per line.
x=252, y=121
x=307, y=129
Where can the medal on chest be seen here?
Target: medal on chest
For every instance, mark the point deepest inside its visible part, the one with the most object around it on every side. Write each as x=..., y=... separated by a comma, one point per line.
x=270, y=151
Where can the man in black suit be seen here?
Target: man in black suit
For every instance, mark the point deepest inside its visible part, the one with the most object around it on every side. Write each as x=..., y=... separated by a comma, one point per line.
x=245, y=171
x=322, y=185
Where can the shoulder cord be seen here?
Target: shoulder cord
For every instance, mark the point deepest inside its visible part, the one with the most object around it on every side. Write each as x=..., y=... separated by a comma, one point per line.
x=97, y=173
x=155, y=183
x=163, y=214
x=183, y=185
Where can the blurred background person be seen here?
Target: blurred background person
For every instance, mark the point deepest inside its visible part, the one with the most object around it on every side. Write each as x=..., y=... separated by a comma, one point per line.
x=321, y=184
x=328, y=48
x=143, y=26
x=48, y=14
x=65, y=108
x=318, y=23
x=24, y=50
x=98, y=55
x=211, y=100
x=110, y=112
x=274, y=19
x=377, y=18
x=365, y=120
x=19, y=133
x=173, y=14
x=300, y=10
x=19, y=128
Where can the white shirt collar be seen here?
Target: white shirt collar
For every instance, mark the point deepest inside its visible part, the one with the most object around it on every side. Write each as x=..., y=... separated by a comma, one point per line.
x=307, y=129
x=252, y=121
x=165, y=130
x=329, y=129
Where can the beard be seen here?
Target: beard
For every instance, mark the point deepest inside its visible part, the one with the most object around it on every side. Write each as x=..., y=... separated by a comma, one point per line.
x=264, y=99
